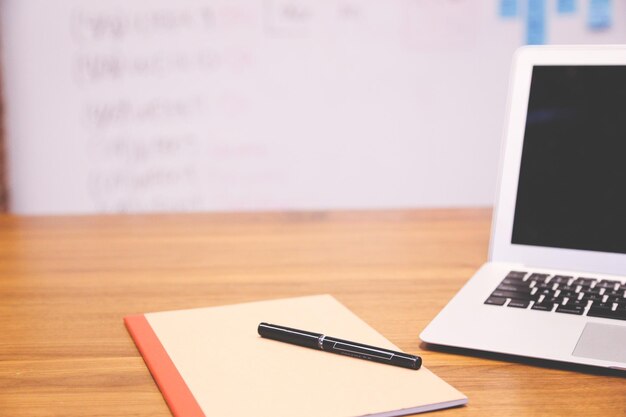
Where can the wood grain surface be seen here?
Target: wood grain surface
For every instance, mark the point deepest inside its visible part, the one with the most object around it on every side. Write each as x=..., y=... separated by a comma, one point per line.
x=66, y=283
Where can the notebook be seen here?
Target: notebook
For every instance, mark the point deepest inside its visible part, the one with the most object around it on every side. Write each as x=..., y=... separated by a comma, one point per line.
x=212, y=362
x=555, y=284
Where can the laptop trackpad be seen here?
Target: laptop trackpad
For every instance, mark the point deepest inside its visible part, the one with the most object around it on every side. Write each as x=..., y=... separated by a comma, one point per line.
x=602, y=341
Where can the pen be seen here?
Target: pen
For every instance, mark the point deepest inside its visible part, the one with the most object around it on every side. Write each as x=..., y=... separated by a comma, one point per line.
x=343, y=347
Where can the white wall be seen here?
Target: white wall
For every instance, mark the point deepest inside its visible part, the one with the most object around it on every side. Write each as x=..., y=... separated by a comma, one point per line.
x=260, y=104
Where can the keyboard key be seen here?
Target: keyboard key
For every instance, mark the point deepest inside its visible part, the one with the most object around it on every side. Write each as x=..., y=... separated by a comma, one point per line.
x=560, y=279
x=592, y=297
x=568, y=294
x=585, y=282
x=519, y=303
x=511, y=294
x=544, y=286
x=602, y=305
x=516, y=275
x=543, y=306
x=605, y=283
x=546, y=292
x=576, y=303
x=504, y=287
x=496, y=301
x=573, y=309
x=607, y=313
x=538, y=277
x=514, y=282
x=552, y=300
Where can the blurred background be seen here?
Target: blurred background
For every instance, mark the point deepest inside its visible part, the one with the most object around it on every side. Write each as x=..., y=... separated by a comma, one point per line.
x=156, y=106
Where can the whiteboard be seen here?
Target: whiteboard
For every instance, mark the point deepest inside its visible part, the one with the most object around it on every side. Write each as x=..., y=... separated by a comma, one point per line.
x=141, y=106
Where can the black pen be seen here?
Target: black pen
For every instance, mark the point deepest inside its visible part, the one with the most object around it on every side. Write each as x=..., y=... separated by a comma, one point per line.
x=343, y=347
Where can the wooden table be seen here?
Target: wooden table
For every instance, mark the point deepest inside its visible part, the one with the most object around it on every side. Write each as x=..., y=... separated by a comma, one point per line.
x=66, y=283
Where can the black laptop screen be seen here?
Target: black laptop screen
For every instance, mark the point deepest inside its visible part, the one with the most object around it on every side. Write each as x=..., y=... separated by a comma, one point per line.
x=572, y=184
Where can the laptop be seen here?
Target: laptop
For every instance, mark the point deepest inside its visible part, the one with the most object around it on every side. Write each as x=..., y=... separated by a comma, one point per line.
x=554, y=286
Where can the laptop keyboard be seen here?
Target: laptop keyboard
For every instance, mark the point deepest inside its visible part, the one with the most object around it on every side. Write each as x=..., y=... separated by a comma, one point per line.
x=561, y=294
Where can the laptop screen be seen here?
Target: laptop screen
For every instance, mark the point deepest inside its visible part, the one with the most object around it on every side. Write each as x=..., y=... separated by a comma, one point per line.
x=572, y=184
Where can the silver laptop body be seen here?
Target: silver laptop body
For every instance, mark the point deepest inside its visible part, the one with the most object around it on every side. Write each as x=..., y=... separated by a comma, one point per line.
x=555, y=284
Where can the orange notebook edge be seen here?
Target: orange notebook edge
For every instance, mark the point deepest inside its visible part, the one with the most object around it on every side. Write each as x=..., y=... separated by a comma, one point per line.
x=174, y=389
